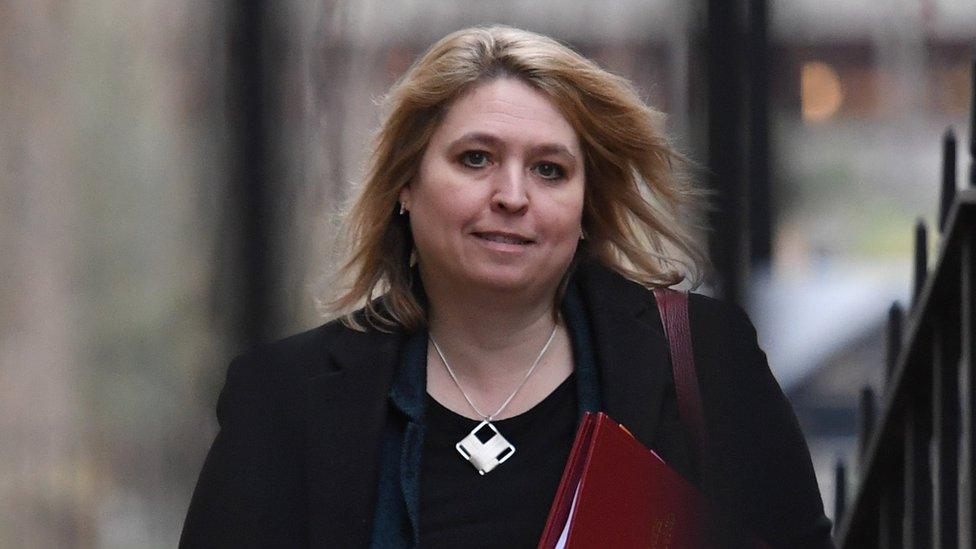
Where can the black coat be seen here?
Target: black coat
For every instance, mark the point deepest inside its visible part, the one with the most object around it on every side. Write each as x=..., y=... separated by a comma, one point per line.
x=296, y=460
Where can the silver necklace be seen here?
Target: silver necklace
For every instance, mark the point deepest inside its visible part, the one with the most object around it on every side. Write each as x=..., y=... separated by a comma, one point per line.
x=484, y=447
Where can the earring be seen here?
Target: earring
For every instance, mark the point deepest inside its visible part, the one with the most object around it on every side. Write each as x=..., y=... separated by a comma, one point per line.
x=403, y=209
x=582, y=233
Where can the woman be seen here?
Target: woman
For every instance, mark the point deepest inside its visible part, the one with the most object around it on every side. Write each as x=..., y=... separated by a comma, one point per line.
x=519, y=204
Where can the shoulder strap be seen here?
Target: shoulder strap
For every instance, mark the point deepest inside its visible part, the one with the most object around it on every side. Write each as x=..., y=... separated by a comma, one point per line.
x=673, y=307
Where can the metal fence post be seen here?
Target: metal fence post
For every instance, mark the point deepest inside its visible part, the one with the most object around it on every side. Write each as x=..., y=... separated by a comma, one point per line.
x=945, y=429
x=967, y=360
x=948, y=176
x=894, y=339
x=967, y=390
x=921, y=260
x=840, y=491
x=918, y=489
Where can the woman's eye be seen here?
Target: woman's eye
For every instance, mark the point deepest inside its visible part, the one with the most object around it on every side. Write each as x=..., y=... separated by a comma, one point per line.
x=548, y=170
x=475, y=159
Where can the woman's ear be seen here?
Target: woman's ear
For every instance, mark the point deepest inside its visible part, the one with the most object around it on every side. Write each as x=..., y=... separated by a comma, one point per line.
x=405, y=199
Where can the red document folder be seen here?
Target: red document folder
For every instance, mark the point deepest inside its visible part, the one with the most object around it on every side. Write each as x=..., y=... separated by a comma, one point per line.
x=616, y=493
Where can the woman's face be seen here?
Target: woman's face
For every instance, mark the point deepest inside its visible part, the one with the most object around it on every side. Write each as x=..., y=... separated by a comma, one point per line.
x=498, y=200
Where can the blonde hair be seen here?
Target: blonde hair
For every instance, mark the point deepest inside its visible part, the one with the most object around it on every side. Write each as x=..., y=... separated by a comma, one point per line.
x=636, y=203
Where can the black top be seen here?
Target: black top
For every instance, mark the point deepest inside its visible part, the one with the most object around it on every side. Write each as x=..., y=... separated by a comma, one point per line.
x=508, y=506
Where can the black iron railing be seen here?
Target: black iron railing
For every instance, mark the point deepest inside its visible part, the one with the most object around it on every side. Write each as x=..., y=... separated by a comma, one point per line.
x=917, y=455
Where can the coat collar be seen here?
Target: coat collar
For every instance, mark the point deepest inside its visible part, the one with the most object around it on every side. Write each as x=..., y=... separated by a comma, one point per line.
x=630, y=346
x=349, y=405
x=347, y=413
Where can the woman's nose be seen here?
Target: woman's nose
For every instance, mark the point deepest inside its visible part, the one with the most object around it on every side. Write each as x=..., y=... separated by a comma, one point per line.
x=510, y=192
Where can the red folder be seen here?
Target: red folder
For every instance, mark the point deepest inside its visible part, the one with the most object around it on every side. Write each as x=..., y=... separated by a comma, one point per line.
x=616, y=493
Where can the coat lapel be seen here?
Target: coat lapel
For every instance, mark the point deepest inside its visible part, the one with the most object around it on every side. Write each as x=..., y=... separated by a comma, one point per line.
x=630, y=347
x=347, y=413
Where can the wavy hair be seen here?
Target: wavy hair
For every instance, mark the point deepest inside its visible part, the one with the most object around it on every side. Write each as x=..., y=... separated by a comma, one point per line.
x=639, y=211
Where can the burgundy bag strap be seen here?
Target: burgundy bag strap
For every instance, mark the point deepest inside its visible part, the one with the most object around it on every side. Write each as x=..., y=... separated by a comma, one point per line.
x=673, y=306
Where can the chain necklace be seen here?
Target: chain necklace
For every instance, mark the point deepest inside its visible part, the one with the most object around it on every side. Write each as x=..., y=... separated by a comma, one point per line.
x=484, y=447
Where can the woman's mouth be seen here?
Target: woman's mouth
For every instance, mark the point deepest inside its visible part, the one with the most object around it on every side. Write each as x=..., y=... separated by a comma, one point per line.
x=504, y=238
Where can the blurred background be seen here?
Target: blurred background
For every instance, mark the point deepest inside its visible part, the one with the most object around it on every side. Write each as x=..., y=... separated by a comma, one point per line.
x=172, y=174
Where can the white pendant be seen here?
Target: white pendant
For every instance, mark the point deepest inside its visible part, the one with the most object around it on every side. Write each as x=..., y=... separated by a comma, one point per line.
x=487, y=455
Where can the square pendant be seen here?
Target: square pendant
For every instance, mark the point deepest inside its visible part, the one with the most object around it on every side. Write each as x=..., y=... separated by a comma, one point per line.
x=485, y=448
